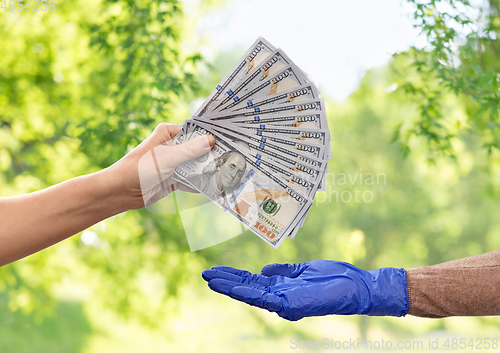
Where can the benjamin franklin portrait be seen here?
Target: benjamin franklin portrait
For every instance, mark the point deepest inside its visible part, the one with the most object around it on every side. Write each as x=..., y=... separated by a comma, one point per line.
x=221, y=177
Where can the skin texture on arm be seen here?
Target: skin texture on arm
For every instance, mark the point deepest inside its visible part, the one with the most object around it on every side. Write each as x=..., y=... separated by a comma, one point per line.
x=465, y=287
x=32, y=222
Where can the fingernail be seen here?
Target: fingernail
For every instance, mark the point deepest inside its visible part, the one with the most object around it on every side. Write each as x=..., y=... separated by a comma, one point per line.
x=206, y=142
x=211, y=140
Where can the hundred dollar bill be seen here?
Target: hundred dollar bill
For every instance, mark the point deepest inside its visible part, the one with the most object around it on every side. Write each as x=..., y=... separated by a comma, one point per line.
x=291, y=162
x=191, y=125
x=310, y=135
x=299, y=225
x=288, y=78
x=304, y=121
x=263, y=143
x=283, y=145
x=194, y=125
x=303, y=167
x=312, y=106
x=287, y=141
x=321, y=137
x=306, y=107
x=267, y=98
x=300, y=184
x=243, y=148
x=253, y=196
x=312, y=150
x=258, y=52
x=277, y=61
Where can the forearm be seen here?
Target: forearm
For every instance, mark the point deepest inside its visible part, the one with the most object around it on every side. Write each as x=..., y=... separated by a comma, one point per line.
x=32, y=222
x=465, y=287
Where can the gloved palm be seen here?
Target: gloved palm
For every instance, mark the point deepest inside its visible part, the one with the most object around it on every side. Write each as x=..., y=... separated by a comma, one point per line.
x=315, y=288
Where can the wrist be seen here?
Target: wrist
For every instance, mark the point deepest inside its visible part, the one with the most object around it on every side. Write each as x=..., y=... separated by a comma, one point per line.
x=110, y=191
x=389, y=293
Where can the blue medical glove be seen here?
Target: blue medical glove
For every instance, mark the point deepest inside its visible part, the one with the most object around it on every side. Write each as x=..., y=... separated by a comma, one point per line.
x=315, y=288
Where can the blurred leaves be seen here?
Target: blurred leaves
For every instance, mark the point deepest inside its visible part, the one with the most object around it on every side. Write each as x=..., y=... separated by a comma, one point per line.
x=462, y=58
x=79, y=87
x=83, y=85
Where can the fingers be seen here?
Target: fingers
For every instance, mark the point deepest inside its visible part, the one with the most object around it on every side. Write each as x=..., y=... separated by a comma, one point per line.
x=256, y=297
x=287, y=270
x=247, y=294
x=173, y=130
x=209, y=275
x=165, y=132
x=238, y=276
x=232, y=270
x=229, y=269
x=162, y=133
x=222, y=286
x=175, y=155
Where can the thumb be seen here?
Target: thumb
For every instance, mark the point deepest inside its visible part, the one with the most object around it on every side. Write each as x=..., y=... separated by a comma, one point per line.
x=190, y=149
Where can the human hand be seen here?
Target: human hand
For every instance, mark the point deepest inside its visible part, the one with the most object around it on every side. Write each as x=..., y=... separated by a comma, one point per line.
x=144, y=173
x=315, y=288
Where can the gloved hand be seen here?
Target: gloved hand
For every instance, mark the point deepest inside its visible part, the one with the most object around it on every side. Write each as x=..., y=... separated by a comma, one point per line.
x=315, y=288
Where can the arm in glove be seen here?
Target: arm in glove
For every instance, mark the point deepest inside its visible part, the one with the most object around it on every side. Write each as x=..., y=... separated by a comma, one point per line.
x=315, y=288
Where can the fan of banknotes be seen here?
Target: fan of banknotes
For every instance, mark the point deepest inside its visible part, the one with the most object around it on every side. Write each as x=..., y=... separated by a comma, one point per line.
x=272, y=144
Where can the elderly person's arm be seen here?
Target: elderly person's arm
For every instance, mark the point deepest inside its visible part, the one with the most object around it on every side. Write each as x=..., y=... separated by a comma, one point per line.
x=465, y=287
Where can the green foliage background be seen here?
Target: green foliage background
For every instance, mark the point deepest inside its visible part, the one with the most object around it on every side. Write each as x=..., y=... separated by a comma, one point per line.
x=126, y=66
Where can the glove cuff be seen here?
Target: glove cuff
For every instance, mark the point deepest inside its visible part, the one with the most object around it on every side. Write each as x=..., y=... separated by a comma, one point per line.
x=389, y=293
x=407, y=295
